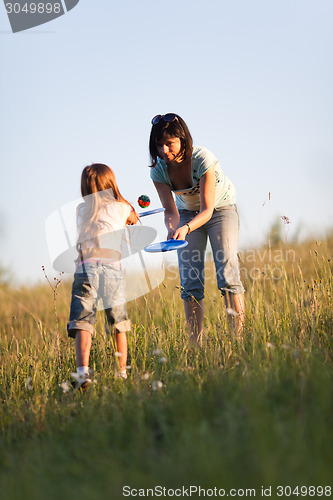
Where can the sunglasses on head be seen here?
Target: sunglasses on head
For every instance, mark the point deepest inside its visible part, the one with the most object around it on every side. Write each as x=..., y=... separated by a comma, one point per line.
x=169, y=117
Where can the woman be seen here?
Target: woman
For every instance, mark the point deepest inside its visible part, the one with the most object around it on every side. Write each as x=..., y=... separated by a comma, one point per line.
x=204, y=206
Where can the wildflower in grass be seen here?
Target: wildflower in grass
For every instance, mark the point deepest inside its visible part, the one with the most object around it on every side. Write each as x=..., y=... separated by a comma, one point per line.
x=28, y=384
x=54, y=288
x=157, y=352
x=270, y=346
x=163, y=359
x=285, y=219
x=285, y=346
x=296, y=354
x=146, y=376
x=231, y=311
x=156, y=385
x=118, y=354
x=65, y=386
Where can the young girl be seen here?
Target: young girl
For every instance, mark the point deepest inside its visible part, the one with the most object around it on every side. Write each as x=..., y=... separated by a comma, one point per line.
x=101, y=221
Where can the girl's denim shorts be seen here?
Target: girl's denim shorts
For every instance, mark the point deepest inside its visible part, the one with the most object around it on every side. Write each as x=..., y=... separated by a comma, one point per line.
x=222, y=230
x=98, y=285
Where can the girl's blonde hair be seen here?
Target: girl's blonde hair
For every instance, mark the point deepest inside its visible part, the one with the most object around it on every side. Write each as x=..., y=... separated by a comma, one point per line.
x=98, y=188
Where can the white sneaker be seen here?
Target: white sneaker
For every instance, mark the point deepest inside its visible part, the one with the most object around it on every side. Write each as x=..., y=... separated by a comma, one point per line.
x=121, y=374
x=81, y=381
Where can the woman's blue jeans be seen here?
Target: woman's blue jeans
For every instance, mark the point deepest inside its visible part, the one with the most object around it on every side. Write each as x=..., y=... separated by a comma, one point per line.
x=222, y=230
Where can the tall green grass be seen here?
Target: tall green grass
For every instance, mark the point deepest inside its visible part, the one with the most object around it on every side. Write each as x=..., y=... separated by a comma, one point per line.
x=234, y=414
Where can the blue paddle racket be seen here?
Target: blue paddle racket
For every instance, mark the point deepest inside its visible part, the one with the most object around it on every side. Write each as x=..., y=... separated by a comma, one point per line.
x=166, y=246
x=152, y=212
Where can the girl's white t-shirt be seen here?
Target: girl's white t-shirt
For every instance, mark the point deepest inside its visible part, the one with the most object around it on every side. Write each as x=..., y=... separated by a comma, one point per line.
x=111, y=221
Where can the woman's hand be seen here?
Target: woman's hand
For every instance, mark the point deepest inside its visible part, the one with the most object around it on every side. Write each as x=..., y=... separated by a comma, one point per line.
x=171, y=233
x=181, y=233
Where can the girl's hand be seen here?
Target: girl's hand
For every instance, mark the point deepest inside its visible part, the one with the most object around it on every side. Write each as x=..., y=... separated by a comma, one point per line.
x=132, y=218
x=181, y=233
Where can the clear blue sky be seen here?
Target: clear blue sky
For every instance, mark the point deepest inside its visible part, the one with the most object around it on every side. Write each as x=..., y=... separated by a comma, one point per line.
x=253, y=80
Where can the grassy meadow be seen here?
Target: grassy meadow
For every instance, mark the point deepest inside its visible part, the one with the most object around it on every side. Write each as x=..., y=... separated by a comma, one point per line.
x=234, y=414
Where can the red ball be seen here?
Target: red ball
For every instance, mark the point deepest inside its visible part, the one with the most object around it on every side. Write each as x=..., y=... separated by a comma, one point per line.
x=144, y=201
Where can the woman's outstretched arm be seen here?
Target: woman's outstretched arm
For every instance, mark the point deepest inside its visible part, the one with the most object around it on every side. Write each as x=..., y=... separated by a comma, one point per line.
x=171, y=214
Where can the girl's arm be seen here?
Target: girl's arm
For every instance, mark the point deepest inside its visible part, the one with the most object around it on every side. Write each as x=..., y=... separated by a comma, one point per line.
x=207, y=200
x=171, y=214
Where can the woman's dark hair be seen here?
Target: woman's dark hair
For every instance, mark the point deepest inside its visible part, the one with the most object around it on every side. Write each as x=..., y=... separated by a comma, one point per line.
x=176, y=128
